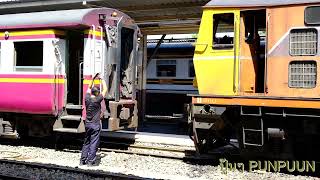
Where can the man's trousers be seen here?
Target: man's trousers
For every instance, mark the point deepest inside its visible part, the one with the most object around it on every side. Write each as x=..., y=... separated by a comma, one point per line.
x=91, y=142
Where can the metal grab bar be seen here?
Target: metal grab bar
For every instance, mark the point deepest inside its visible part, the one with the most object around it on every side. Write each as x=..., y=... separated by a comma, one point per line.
x=80, y=81
x=102, y=56
x=93, y=49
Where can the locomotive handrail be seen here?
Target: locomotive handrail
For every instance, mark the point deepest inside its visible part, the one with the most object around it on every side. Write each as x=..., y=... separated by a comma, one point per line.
x=102, y=56
x=80, y=80
x=94, y=47
x=236, y=65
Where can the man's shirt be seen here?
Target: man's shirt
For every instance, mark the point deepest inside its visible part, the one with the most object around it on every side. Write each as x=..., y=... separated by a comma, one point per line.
x=93, y=107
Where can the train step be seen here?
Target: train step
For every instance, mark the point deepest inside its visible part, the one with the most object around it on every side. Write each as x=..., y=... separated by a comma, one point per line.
x=67, y=130
x=74, y=107
x=71, y=117
x=69, y=124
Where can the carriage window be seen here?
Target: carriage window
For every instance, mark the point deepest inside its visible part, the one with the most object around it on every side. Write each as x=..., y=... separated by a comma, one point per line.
x=28, y=56
x=191, y=69
x=303, y=42
x=166, y=68
x=223, y=31
x=302, y=74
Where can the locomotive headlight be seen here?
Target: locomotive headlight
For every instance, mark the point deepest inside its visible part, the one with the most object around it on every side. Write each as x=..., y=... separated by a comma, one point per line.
x=114, y=14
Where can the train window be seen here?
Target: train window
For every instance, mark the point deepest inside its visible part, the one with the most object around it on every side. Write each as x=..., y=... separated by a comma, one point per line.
x=166, y=68
x=302, y=74
x=223, y=31
x=311, y=15
x=28, y=56
x=303, y=42
x=191, y=69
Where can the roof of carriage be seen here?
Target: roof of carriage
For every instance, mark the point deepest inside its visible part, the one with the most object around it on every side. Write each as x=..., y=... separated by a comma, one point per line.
x=256, y=3
x=63, y=18
x=152, y=16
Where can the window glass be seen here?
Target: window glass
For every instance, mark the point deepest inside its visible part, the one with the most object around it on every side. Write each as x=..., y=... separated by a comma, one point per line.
x=223, y=31
x=191, y=69
x=166, y=68
x=311, y=15
x=28, y=56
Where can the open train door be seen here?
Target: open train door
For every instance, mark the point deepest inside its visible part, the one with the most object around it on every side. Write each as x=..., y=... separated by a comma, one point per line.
x=120, y=74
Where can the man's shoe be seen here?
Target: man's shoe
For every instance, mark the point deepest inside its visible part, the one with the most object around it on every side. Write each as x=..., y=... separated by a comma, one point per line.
x=91, y=164
x=82, y=163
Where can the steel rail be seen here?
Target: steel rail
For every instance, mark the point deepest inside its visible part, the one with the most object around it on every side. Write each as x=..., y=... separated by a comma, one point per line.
x=91, y=173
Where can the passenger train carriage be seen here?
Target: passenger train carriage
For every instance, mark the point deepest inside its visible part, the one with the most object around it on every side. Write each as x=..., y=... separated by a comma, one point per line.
x=47, y=62
x=260, y=79
x=170, y=76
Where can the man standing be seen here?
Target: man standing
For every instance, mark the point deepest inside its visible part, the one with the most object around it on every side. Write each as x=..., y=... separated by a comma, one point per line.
x=93, y=101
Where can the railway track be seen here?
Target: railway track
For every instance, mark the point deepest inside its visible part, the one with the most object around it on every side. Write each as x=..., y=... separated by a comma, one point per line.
x=148, y=151
x=164, y=155
x=47, y=171
x=185, y=153
x=7, y=176
x=180, y=153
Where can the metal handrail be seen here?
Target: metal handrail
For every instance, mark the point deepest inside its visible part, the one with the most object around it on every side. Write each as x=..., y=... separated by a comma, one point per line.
x=101, y=56
x=80, y=80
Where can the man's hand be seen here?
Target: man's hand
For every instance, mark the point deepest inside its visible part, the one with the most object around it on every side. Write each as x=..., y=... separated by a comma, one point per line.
x=92, y=81
x=96, y=76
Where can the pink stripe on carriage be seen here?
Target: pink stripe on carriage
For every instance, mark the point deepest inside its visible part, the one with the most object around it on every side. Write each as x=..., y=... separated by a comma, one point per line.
x=31, y=98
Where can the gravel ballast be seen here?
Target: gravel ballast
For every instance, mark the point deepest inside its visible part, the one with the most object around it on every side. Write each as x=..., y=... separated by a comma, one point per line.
x=142, y=166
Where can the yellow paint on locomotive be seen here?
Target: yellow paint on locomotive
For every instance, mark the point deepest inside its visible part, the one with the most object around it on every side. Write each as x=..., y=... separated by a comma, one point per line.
x=217, y=70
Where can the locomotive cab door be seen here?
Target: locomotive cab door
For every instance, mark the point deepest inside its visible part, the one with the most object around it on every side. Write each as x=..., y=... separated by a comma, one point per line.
x=216, y=58
x=225, y=51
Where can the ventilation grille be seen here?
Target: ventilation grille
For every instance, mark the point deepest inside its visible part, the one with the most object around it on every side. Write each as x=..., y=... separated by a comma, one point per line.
x=302, y=74
x=303, y=42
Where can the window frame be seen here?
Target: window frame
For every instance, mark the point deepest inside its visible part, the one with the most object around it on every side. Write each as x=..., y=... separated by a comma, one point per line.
x=28, y=69
x=305, y=16
x=215, y=28
x=175, y=64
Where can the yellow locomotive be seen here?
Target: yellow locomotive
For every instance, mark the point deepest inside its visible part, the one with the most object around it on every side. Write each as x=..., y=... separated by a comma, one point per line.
x=256, y=64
